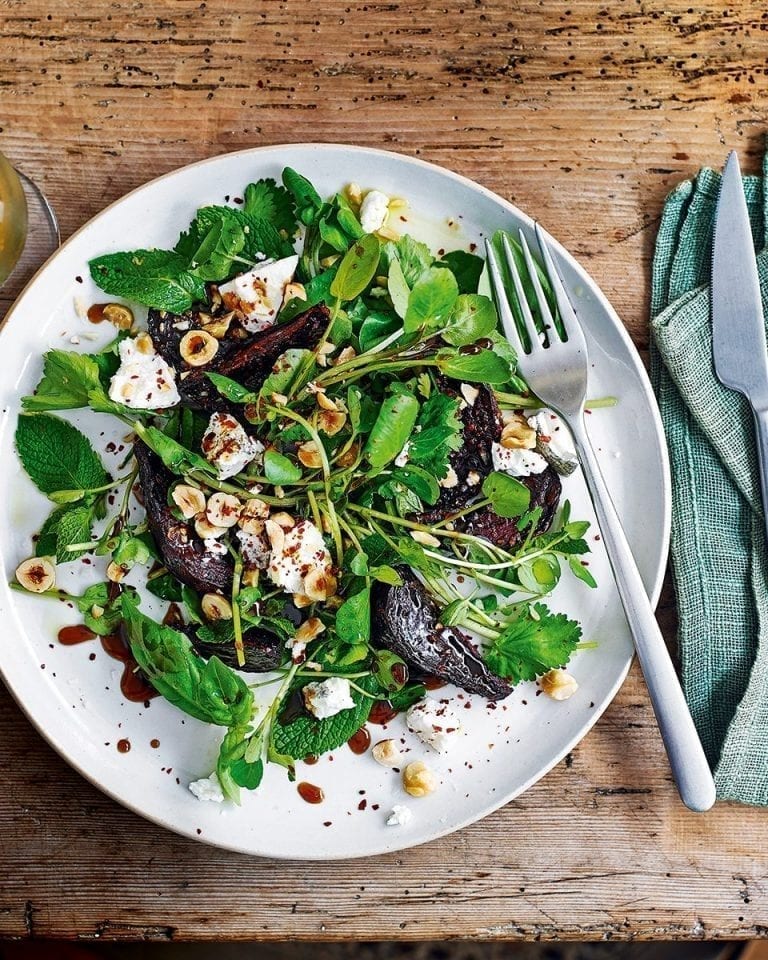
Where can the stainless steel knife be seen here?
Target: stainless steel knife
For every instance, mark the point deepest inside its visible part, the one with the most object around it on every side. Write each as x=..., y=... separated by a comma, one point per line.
x=738, y=327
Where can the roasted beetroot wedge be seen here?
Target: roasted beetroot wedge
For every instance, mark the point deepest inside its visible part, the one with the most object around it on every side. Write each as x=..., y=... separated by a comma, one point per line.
x=183, y=552
x=545, y=493
x=406, y=621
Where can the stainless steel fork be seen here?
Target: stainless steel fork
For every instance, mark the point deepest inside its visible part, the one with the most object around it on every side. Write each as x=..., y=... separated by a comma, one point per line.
x=557, y=370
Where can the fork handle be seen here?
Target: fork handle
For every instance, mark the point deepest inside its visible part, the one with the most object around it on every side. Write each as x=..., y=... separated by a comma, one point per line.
x=686, y=754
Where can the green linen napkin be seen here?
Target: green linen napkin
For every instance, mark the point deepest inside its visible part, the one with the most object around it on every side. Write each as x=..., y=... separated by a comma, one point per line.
x=718, y=543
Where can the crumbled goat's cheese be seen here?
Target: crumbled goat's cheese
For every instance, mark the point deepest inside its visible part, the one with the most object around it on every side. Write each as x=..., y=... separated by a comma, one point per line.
x=434, y=723
x=373, y=211
x=227, y=446
x=517, y=462
x=327, y=698
x=258, y=294
x=143, y=380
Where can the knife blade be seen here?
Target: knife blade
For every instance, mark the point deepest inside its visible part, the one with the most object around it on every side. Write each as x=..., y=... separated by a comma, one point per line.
x=738, y=328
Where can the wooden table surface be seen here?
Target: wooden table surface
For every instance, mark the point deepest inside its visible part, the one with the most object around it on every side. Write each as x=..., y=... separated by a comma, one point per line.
x=583, y=112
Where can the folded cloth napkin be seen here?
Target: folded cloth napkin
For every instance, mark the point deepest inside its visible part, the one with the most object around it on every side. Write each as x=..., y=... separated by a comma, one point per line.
x=718, y=535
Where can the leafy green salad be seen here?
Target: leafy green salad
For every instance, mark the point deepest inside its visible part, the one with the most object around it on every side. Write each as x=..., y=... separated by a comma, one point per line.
x=335, y=479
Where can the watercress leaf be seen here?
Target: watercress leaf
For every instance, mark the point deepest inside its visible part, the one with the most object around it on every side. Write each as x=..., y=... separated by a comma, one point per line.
x=440, y=432
x=266, y=200
x=407, y=502
x=390, y=670
x=67, y=379
x=74, y=526
x=166, y=587
x=353, y=618
x=284, y=371
x=473, y=316
x=581, y=572
x=354, y=408
x=279, y=469
x=358, y=564
x=533, y=645
x=210, y=692
x=349, y=223
x=378, y=550
x=306, y=198
x=231, y=389
x=357, y=268
x=56, y=455
x=375, y=328
x=333, y=236
x=466, y=267
x=396, y=419
x=177, y=458
x=431, y=300
x=481, y=367
x=414, y=257
x=509, y=497
x=156, y=278
x=539, y=574
x=386, y=574
x=422, y=483
x=410, y=694
x=308, y=735
x=399, y=291
x=247, y=775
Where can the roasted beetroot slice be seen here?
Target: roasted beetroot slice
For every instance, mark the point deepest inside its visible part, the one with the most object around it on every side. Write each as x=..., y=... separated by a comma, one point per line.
x=262, y=651
x=182, y=551
x=251, y=363
x=545, y=493
x=406, y=621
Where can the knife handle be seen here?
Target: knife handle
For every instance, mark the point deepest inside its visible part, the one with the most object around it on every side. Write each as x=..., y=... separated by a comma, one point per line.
x=686, y=755
x=761, y=438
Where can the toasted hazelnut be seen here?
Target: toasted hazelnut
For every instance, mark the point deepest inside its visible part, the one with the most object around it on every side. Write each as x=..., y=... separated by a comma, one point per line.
x=301, y=600
x=252, y=516
x=309, y=630
x=388, y=233
x=218, y=328
x=250, y=577
x=325, y=402
x=284, y=520
x=276, y=535
x=418, y=779
x=294, y=291
x=324, y=353
x=426, y=539
x=398, y=203
x=36, y=575
x=387, y=753
x=279, y=399
x=205, y=529
x=316, y=585
x=189, y=500
x=216, y=607
x=349, y=456
x=469, y=393
x=331, y=421
x=119, y=315
x=558, y=684
x=518, y=435
x=116, y=572
x=97, y=612
x=354, y=193
x=347, y=354
x=222, y=510
x=326, y=262
x=309, y=455
x=198, y=347
x=144, y=344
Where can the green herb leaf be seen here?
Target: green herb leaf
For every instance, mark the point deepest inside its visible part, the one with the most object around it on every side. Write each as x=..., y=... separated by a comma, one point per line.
x=74, y=526
x=509, y=497
x=533, y=645
x=431, y=300
x=481, y=367
x=472, y=317
x=156, y=278
x=231, y=389
x=56, y=455
x=177, y=458
x=357, y=269
x=540, y=574
x=306, y=198
x=466, y=267
x=279, y=469
x=284, y=371
x=390, y=670
x=266, y=200
x=440, y=434
x=375, y=328
x=100, y=613
x=581, y=572
x=414, y=257
x=166, y=587
x=307, y=735
x=353, y=618
x=213, y=240
x=68, y=378
x=399, y=290
x=392, y=428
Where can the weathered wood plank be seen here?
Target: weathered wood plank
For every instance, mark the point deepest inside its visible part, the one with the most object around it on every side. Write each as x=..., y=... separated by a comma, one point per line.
x=585, y=113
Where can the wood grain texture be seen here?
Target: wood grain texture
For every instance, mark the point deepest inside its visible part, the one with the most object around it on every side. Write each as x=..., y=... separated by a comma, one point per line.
x=585, y=113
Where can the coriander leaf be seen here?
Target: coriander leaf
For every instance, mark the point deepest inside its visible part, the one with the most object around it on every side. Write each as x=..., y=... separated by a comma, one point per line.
x=353, y=618
x=393, y=426
x=466, y=267
x=509, y=497
x=399, y=291
x=472, y=317
x=414, y=257
x=211, y=691
x=279, y=469
x=308, y=735
x=68, y=377
x=431, y=300
x=56, y=455
x=156, y=278
x=481, y=367
x=533, y=645
x=440, y=434
x=265, y=200
x=357, y=268
x=307, y=199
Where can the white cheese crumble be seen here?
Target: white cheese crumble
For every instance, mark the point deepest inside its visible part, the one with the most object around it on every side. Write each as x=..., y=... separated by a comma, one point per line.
x=259, y=294
x=400, y=816
x=143, y=380
x=254, y=549
x=227, y=446
x=373, y=211
x=296, y=552
x=554, y=433
x=208, y=788
x=402, y=458
x=434, y=723
x=327, y=698
x=517, y=463
x=450, y=480
x=214, y=546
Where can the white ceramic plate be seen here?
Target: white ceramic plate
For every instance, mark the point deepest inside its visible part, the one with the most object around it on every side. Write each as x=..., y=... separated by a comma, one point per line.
x=75, y=701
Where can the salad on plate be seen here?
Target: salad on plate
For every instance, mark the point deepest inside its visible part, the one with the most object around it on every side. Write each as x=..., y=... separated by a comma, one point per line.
x=333, y=478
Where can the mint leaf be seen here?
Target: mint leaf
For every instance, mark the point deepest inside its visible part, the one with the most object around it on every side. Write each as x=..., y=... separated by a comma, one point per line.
x=45, y=545
x=266, y=200
x=261, y=238
x=213, y=240
x=74, y=526
x=308, y=735
x=536, y=643
x=440, y=434
x=156, y=278
x=68, y=378
x=56, y=455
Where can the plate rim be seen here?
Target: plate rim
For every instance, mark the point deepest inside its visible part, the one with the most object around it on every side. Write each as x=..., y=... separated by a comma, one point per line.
x=639, y=369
